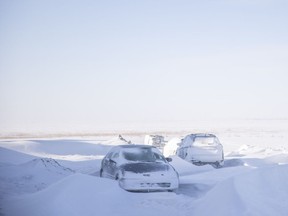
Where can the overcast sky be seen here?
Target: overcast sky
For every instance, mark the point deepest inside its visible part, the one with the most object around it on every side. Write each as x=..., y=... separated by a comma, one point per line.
x=71, y=63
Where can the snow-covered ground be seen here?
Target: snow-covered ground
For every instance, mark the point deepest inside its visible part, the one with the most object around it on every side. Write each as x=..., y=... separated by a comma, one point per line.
x=61, y=177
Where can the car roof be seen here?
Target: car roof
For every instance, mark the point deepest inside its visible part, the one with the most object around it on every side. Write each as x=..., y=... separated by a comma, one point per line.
x=129, y=146
x=134, y=146
x=202, y=135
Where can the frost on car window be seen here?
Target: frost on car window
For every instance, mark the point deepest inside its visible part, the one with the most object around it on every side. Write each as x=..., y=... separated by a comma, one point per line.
x=204, y=141
x=115, y=155
x=142, y=154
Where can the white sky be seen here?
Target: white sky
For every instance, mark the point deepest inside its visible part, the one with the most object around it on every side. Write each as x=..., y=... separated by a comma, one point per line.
x=66, y=64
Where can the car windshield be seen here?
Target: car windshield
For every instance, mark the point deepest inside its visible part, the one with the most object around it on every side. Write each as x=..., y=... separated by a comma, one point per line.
x=142, y=155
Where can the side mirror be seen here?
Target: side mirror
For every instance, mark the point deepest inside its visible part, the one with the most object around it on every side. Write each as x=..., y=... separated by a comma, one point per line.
x=168, y=159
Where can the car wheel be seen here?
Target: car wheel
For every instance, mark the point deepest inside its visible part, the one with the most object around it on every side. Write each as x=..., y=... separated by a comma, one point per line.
x=117, y=177
x=101, y=173
x=217, y=165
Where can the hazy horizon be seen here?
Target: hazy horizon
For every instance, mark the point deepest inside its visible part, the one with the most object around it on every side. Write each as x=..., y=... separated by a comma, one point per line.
x=80, y=65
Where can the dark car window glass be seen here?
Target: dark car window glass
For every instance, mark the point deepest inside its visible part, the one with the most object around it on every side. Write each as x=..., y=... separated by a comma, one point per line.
x=142, y=154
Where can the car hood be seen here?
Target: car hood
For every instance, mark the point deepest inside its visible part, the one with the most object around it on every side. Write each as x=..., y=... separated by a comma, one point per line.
x=145, y=167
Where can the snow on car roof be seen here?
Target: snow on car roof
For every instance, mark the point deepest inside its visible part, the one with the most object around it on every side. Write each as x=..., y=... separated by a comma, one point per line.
x=117, y=148
x=135, y=146
x=202, y=135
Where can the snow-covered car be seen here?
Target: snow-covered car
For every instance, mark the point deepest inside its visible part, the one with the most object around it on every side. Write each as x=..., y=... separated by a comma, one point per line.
x=139, y=168
x=201, y=149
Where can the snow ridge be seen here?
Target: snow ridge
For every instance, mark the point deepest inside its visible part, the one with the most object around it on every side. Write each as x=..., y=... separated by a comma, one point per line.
x=50, y=165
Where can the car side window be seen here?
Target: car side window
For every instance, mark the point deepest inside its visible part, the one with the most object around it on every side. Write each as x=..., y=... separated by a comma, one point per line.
x=115, y=155
x=108, y=156
x=158, y=157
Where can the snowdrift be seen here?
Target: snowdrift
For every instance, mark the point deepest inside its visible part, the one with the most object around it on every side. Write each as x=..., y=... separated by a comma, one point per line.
x=8, y=156
x=85, y=195
x=260, y=192
x=59, y=147
x=31, y=176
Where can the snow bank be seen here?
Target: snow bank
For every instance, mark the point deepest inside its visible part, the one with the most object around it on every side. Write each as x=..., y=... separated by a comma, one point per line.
x=259, y=192
x=50, y=148
x=75, y=195
x=85, y=195
x=262, y=192
x=184, y=167
x=256, y=156
x=31, y=176
x=8, y=156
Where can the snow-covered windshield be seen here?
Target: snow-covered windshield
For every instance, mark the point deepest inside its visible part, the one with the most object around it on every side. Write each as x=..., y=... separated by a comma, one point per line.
x=142, y=155
x=204, y=141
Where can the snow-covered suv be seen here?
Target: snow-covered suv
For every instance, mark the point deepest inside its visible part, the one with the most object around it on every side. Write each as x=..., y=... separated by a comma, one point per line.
x=201, y=149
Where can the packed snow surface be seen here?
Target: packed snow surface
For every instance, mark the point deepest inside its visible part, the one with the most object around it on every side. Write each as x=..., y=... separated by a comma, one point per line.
x=60, y=177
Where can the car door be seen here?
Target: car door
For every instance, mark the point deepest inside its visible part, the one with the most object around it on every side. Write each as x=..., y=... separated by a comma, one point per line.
x=106, y=165
x=113, y=164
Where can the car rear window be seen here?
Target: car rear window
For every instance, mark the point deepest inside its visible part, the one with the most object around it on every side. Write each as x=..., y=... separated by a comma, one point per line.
x=204, y=141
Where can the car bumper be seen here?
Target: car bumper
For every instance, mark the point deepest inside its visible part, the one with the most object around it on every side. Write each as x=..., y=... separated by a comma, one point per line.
x=205, y=156
x=133, y=184
x=206, y=159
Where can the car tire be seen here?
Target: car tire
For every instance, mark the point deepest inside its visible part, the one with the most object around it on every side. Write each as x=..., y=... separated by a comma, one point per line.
x=101, y=173
x=217, y=165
